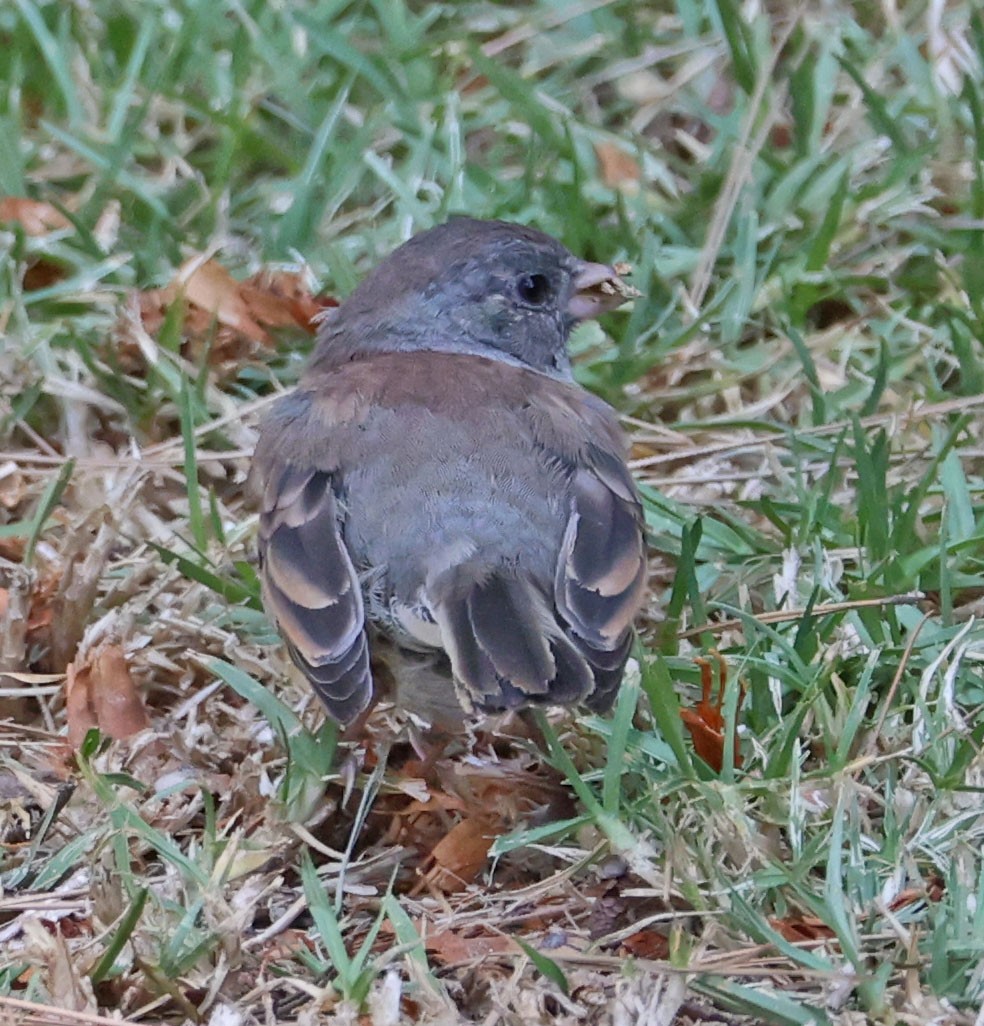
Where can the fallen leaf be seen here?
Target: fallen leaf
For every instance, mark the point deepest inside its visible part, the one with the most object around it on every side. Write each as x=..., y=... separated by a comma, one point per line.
x=934, y=891
x=801, y=928
x=647, y=944
x=39, y=274
x=460, y=855
x=617, y=167
x=233, y=317
x=907, y=897
x=99, y=692
x=781, y=135
x=38, y=219
x=13, y=548
x=66, y=984
x=235, y=304
x=34, y=216
x=70, y=927
x=78, y=704
x=470, y=83
x=452, y=947
x=293, y=290
x=706, y=722
x=39, y=617
x=270, y=299
x=286, y=946
x=435, y=801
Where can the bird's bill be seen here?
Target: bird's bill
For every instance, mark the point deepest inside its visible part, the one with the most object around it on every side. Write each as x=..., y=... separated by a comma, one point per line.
x=597, y=289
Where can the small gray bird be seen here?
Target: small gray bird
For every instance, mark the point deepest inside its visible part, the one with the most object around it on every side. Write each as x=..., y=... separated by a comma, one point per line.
x=438, y=484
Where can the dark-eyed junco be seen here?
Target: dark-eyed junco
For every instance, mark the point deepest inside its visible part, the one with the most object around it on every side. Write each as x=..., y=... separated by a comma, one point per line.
x=438, y=481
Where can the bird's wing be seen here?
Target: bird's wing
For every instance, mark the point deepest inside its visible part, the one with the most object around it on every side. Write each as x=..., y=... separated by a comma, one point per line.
x=310, y=586
x=601, y=571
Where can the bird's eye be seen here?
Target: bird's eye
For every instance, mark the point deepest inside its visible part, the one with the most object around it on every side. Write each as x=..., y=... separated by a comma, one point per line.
x=533, y=288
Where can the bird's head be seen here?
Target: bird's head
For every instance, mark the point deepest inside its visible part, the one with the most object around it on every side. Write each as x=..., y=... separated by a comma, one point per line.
x=489, y=288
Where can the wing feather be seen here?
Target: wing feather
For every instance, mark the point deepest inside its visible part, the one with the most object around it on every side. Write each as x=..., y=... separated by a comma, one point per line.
x=601, y=572
x=312, y=590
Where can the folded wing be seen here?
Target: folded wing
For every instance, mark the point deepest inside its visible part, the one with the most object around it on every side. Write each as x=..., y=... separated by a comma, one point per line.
x=601, y=572
x=312, y=590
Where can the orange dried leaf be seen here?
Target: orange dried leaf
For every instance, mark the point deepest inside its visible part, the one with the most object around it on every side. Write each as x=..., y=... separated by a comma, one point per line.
x=78, y=706
x=436, y=802
x=449, y=947
x=907, y=897
x=40, y=617
x=119, y=707
x=617, y=167
x=461, y=854
x=269, y=299
x=234, y=316
x=802, y=928
x=286, y=946
x=40, y=274
x=13, y=548
x=647, y=944
x=34, y=216
x=706, y=722
x=933, y=891
x=291, y=291
x=101, y=693
x=211, y=288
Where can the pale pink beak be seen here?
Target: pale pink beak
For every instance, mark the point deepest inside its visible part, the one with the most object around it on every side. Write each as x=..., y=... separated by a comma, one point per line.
x=598, y=288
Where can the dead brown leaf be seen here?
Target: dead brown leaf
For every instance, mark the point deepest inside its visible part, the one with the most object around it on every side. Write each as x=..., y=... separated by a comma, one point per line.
x=617, y=167
x=647, y=944
x=40, y=274
x=706, y=721
x=235, y=318
x=450, y=812
x=436, y=801
x=452, y=947
x=100, y=692
x=460, y=855
x=40, y=613
x=79, y=707
x=285, y=947
x=292, y=290
x=67, y=986
x=34, y=216
x=800, y=928
x=40, y=617
x=13, y=548
x=234, y=304
x=70, y=927
x=934, y=891
x=270, y=299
